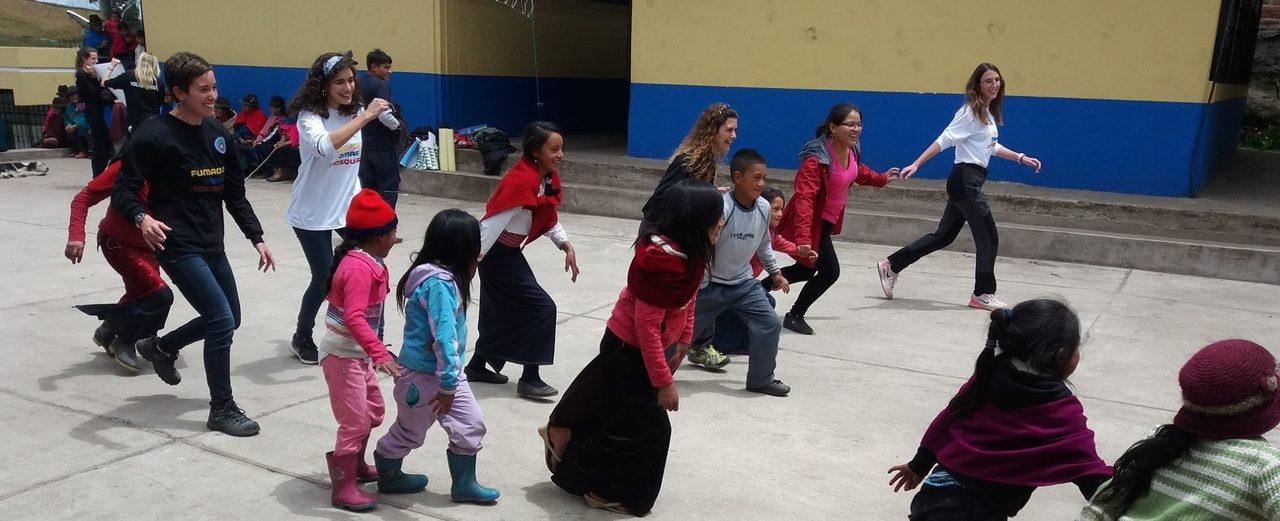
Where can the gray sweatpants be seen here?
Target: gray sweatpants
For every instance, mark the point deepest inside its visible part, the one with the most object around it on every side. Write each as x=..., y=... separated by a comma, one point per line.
x=751, y=304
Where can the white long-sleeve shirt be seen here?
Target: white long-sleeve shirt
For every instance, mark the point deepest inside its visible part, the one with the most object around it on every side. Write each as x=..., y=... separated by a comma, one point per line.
x=517, y=222
x=327, y=178
x=975, y=142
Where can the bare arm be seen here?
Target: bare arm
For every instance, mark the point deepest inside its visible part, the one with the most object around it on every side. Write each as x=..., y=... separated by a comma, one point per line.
x=1022, y=159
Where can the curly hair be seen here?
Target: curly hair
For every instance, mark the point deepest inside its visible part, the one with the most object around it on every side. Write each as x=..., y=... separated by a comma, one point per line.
x=700, y=158
x=313, y=94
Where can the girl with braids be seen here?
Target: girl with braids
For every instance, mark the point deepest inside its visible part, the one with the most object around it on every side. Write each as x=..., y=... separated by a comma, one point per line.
x=1015, y=409
x=1211, y=463
x=330, y=117
x=356, y=288
x=704, y=147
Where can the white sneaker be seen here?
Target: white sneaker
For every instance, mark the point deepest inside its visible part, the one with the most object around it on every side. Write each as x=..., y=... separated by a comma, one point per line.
x=987, y=301
x=887, y=278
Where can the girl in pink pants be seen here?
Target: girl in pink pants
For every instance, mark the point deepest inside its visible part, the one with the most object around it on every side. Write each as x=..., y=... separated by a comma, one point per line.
x=351, y=350
x=434, y=295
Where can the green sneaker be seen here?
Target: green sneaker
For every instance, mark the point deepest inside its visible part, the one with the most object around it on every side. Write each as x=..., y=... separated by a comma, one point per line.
x=707, y=357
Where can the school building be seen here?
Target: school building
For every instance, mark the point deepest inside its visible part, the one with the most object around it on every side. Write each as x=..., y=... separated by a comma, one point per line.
x=1140, y=96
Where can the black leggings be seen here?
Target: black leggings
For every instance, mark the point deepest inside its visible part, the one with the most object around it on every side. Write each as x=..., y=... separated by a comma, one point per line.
x=101, y=137
x=965, y=203
x=824, y=273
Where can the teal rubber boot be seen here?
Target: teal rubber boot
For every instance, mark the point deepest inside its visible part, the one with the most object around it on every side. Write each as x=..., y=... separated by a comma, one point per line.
x=465, y=489
x=391, y=480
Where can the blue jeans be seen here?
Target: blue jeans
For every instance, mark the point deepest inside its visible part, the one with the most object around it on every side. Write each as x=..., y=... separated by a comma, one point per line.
x=749, y=302
x=317, y=246
x=209, y=286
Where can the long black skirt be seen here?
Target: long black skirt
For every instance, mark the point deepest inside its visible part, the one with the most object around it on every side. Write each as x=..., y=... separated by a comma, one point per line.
x=620, y=434
x=517, y=317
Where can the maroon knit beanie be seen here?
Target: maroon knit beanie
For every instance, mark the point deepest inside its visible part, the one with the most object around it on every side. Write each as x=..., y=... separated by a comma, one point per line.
x=1229, y=390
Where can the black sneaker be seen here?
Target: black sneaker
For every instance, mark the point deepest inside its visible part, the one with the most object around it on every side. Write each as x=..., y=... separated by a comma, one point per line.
x=125, y=354
x=796, y=323
x=231, y=420
x=149, y=349
x=775, y=388
x=305, y=350
x=103, y=337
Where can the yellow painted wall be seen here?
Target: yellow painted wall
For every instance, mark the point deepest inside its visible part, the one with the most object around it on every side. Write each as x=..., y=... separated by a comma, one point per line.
x=1156, y=50
x=576, y=39
x=286, y=33
x=34, y=73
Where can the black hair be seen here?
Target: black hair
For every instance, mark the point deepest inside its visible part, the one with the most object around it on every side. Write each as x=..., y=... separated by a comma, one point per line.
x=312, y=95
x=536, y=134
x=835, y=117
x=689, y=209
x=1043, y=333
x=772, y=193
x=183, y=68
x=377, y=57
x=744, y=159
x=348, y=244
x=1136, y=467
x=452, y=241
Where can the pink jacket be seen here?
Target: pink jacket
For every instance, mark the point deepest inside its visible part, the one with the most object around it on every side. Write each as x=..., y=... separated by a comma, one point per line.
x=651, y=329
x=360, y=285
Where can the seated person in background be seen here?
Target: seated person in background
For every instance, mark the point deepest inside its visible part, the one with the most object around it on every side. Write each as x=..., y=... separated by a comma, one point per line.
x=250, y=119
x=287, y=157
x=76, y=126
x=266, y=139
x=53, y=133
x=221, y=110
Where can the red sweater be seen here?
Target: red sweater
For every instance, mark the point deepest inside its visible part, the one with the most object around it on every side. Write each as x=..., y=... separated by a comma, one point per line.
x=113, y=224
x=651, y=329
x=252, y=118
x=802, y=219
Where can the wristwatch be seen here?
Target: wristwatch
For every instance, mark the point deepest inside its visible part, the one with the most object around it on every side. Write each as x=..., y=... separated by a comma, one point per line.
x=137, y=219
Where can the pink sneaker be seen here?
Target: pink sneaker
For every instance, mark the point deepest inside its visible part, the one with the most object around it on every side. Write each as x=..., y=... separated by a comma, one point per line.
x=987, y=301
x=887, y=278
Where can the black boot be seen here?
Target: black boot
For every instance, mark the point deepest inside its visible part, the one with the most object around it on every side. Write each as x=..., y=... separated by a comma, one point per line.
x=103, y=337
x=125, y=354
x=231, y=420
x=796, y=323
x=162, y=362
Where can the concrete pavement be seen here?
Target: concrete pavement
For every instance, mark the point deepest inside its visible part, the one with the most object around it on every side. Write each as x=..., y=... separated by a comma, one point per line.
x=87, y=442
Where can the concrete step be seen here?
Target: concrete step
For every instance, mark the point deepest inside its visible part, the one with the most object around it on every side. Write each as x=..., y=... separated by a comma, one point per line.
x=18, y=155
x=1229, y=260
x=1148, y=217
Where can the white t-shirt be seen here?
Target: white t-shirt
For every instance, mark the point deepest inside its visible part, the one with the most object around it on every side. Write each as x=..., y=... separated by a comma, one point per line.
x=327, y=178
x=975, y=142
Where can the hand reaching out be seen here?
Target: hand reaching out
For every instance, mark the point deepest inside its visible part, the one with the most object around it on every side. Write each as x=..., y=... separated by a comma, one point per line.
x=904, y=478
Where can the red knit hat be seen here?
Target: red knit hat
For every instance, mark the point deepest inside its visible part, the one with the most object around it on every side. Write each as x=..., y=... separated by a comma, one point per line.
x=369, y=215
x=1229, y=390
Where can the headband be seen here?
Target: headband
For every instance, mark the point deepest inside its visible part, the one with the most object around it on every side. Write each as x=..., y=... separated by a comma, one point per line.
x=330, y=63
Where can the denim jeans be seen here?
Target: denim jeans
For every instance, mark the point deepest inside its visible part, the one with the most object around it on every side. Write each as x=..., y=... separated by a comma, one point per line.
x=965, y=203
x=209, y=286
x=317, y=246
x=749, y=302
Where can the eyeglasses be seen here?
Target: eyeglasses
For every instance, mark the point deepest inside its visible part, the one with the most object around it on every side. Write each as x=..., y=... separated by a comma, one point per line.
x=852, y=125
x=993, y=81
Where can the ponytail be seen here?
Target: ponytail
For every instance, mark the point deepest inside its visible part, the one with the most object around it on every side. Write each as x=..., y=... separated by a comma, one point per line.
x=984, y=369
x=1134, y=470
x=1042, y=333
x=338, y=253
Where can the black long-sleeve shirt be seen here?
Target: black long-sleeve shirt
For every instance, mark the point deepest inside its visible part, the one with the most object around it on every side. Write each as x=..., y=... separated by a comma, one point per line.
x=192, y=171
x=141, y=102
x=90, y=91
x=675, y=173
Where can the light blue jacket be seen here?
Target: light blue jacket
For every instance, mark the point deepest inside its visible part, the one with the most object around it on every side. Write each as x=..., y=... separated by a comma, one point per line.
x=435, y=326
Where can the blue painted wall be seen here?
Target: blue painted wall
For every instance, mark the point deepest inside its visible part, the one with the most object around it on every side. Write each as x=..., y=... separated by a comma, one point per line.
x=1137, y=147
x=577, y=105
